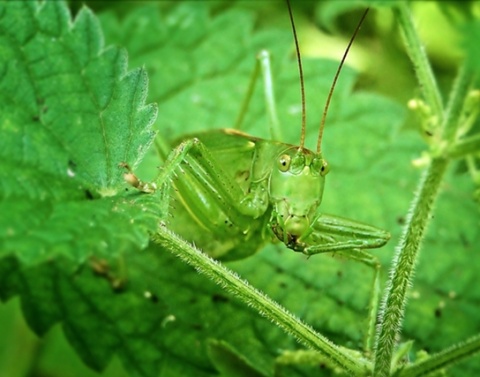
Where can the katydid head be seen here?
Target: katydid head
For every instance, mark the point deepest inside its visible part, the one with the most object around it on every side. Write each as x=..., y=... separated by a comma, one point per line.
x=296, y=189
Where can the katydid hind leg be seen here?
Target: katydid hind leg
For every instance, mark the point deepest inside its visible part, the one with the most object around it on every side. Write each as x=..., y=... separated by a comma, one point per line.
x=266, y=69
x=212, y=201
x=193, y=167
x=263, y=67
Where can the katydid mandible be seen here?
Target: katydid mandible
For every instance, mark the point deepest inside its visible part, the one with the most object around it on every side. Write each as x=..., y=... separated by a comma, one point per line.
x=233, y=190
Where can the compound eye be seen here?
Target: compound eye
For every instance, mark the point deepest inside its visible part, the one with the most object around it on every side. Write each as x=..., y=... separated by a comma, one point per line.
x=321, y=166
x=284, y=162
x=324, y=168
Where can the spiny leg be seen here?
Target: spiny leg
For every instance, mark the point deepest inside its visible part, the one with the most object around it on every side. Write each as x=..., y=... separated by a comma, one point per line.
x=262, y=65
x=275, y=130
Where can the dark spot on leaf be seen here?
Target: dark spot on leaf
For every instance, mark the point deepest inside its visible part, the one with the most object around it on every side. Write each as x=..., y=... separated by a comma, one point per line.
x=283, y=285
x=88, y=195
x=154, y=298
x=36, y=118
x=401, y=220
x=438, y=313
x=340, y=274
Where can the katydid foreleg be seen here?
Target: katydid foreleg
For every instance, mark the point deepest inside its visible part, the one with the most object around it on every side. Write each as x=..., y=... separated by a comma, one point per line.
x=330, y=233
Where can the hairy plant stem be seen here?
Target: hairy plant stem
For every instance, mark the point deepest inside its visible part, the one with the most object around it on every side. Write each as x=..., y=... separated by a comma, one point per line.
x=416, y=52
x=267, y=307
x=393, y=305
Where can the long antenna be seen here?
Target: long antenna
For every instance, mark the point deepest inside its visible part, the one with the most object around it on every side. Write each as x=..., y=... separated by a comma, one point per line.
x=300, y=71
x=330, y=93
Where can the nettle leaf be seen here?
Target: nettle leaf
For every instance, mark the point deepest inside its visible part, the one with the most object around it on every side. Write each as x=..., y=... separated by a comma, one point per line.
x=71, y=113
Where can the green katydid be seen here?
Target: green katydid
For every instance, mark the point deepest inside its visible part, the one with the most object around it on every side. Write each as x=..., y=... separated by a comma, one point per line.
x=234, y=189
x=238, y=189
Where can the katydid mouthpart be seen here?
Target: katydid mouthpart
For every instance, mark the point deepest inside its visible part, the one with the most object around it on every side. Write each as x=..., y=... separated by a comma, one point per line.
x=233, y=192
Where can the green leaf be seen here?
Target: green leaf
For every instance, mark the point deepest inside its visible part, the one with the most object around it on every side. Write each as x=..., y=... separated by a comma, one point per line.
x=71, y=113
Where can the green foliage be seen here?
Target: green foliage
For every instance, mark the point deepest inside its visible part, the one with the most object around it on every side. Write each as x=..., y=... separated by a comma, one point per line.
x=74, y=237
x=70, y=114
